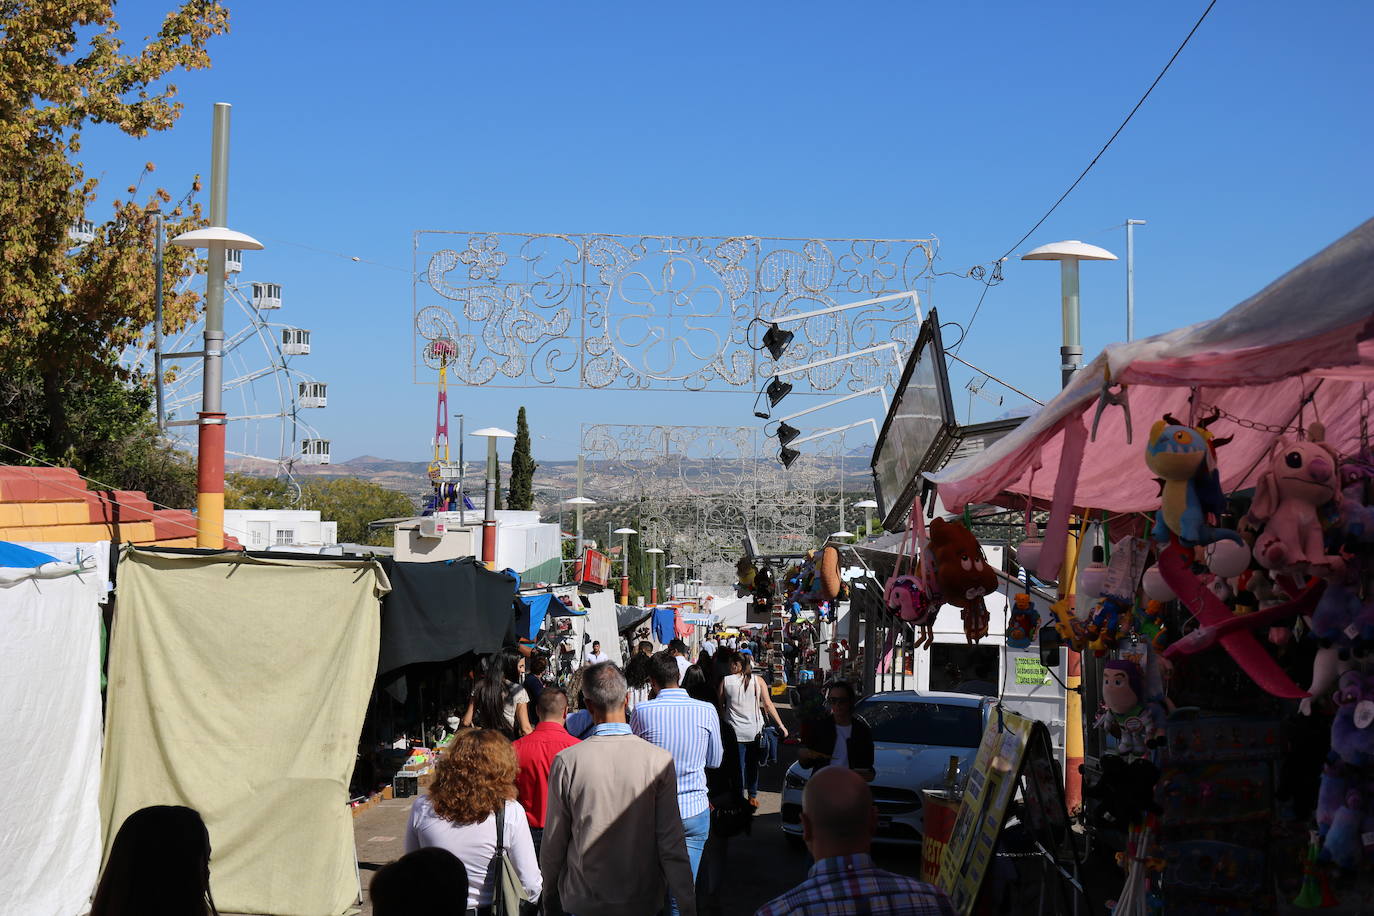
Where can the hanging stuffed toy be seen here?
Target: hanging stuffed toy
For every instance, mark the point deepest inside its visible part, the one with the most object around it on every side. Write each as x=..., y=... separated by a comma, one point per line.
x=962, y=574
x=1345, y=802
x=1126, y=785
x=907, y=593
x=745, y=571
x=1300, y=480
x=830, y=573
x=1023, y=622
x=1184, y=457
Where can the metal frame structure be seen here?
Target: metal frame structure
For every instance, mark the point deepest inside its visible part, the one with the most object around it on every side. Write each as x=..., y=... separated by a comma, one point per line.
x=655, y=312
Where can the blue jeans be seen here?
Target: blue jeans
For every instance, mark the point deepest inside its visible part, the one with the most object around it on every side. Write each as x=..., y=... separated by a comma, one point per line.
x=696, y=827
x=749, y=767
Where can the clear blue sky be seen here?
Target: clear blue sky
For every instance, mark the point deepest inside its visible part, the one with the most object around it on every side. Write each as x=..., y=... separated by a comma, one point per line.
x=356, y=124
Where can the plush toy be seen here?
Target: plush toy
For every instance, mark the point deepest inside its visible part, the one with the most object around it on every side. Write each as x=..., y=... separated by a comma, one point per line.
x=1348, y=779
x=1357, y=516
x=830, y=573
x=1023, y=623
x=1137, y=725
x=1184, y=457
x=1300, y=479
x=1108, y=619
x=745, y=571
x=962, y=574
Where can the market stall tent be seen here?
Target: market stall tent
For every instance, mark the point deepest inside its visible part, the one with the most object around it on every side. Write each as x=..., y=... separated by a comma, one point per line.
x=1300, y=350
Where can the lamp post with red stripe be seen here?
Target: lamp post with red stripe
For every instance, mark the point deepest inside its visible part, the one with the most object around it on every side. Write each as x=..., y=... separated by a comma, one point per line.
x=491, y=434
x=625, y=562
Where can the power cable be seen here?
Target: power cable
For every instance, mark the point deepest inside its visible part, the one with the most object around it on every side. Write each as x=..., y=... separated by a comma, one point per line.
x=1105, y=147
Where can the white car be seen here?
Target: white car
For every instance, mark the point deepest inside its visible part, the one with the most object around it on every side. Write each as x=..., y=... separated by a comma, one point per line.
x=914, y=735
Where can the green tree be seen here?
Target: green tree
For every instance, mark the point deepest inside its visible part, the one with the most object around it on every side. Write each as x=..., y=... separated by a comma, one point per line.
x=244, y=491
x=354, y=503
x=522, y=466
x=68, y=310
x=500, y=502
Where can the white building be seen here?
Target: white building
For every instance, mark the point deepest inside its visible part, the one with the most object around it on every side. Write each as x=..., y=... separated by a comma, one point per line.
x=523, y=543
x=269, y=529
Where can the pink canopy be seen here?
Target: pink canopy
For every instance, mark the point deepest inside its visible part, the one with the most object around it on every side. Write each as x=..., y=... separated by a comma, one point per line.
x=1299, y=350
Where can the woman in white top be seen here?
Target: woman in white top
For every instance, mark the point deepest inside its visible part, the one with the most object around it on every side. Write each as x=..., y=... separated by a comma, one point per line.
x=746, y=701
x=474, y=781
x=498, y=700
x=637, y=676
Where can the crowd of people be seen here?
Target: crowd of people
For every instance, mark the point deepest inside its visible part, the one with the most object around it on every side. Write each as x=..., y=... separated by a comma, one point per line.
x=627, y=807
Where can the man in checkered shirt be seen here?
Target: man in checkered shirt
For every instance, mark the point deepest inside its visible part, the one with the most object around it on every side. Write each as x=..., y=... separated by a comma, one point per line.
x=838, y=820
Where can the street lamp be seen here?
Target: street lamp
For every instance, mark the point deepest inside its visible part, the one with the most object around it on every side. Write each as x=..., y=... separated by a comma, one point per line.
x=653, y=565
x=579, y=502
x=868, y=505
x=1068, y=254
x=672, y=577
x=210, y=433
x=491, y=434
x=625, y=562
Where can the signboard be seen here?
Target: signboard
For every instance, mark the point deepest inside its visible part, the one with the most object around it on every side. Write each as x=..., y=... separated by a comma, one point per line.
x=988, y=792
x=920, y=421
x=596, y=568
x=1029, y=671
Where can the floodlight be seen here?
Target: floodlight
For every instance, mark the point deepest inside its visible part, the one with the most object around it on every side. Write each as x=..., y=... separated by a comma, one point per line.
x=787, y=433
x=776, y=340
x=777, y=390
x=787, y=456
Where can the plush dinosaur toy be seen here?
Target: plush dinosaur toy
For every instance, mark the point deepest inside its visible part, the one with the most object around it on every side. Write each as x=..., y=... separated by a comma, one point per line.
x=1184, y=457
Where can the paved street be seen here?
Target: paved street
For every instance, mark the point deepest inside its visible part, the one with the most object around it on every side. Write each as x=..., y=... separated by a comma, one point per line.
x=761, y=866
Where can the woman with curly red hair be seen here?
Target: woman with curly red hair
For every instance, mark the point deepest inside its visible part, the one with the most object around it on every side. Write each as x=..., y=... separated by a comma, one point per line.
x=474, y=785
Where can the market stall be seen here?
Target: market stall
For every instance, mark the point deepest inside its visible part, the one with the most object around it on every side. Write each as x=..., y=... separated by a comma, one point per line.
x=1224, y=635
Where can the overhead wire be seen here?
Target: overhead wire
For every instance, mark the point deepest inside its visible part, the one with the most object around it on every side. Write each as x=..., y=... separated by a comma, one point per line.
x=1083, y=174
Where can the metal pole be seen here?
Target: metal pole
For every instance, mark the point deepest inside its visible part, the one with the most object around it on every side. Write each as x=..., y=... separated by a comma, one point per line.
x=578, y=555
x=1071, y=353
x=462, y=501
x=653, y=565
x=210, y=451
x=624, y=569
x=157, y=318
x=489, y=510
x=1130, y=276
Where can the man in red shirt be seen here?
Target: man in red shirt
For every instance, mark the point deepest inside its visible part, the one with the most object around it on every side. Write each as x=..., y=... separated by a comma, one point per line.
x=535, y=752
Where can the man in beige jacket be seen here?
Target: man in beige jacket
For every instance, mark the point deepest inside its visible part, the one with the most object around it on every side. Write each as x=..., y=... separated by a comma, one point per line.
x=613, y=841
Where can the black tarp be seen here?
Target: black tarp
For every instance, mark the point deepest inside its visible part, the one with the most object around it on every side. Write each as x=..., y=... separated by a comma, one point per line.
x=439, y=611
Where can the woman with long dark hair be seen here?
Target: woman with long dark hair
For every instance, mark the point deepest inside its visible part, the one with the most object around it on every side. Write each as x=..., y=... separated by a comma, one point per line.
x=159, y=865
x=746, y=701
x=498, y=700
x=474, y=786
x=637, y=676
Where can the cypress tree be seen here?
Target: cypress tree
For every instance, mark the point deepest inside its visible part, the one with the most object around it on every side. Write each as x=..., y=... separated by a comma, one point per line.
x=522, y=466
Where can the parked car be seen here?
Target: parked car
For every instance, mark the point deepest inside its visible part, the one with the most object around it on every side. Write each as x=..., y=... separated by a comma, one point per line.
x=914, y=735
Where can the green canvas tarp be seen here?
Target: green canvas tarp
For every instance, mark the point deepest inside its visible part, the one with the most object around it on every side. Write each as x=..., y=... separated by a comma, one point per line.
x=237, y=687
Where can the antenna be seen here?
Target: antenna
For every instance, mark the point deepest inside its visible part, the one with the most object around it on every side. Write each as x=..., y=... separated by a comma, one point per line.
x=975, y=387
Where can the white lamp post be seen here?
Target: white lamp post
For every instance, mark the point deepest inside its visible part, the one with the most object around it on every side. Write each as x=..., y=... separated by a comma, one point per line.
x=579, y=502
x=672, y=577
x=1068, y=254
x=625, y=562
x=653, y=565
x=491, y=434
x=868, y=505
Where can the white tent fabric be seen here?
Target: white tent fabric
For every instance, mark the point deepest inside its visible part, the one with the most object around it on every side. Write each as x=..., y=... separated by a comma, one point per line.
x=50, y=760
x=602, y=625
x=1297, y=351
x=732, y=611
x=92, y=556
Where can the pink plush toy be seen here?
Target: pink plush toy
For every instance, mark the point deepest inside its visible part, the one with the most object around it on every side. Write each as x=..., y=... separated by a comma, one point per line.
x=1300, y=479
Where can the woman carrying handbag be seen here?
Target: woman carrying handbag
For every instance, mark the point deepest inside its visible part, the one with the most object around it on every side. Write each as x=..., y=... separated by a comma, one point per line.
x=746, y=701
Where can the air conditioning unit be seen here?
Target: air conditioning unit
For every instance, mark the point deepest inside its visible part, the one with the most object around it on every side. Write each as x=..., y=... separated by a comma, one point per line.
x=431, y=528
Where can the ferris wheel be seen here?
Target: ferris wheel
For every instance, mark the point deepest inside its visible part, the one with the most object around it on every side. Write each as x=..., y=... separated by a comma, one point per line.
x=267, y=398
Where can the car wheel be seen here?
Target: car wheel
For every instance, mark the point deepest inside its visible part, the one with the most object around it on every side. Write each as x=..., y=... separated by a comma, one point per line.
x=795, y=843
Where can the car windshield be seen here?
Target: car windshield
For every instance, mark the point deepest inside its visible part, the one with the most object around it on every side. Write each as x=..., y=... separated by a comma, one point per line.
x=939, y=724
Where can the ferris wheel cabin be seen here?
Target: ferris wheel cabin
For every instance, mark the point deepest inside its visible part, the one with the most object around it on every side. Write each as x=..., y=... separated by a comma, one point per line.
x=266, y=296
x=233, y=261
x=295, y=341
x=313, y=394
x=314, y=451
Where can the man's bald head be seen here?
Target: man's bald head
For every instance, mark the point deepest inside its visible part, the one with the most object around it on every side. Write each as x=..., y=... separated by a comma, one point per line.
x=838, y=812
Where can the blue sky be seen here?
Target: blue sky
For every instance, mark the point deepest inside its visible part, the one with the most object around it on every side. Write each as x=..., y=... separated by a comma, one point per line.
x=353, y=128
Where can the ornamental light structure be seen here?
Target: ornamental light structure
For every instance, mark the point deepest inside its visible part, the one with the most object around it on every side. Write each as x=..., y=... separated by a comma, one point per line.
x=216, y=239
x=491, y=434
x=653, y=565
x=625, y=562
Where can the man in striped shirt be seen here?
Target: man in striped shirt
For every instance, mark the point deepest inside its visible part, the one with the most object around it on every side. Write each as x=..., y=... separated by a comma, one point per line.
x=689, y=730
x=838, y=819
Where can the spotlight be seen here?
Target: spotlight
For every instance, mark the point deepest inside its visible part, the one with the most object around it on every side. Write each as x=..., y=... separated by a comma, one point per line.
x=776, y=340
x=777, y=390
x=787, y=433
x=787, y=456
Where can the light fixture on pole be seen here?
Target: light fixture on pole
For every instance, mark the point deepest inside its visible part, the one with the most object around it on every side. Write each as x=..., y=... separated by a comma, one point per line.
x=580, y=502
x=491, y=434
x=672, y=577
x=210, y=434
x=625, y=562
x=775, y=340
x=787, y=433
x=787, y=456
x=1068, y=254
x=868, y=505
x=777, y=390
x=653, y=565
x=1130, y=276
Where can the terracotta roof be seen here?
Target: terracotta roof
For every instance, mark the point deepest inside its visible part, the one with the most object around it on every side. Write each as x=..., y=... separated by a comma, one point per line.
x=55, y=504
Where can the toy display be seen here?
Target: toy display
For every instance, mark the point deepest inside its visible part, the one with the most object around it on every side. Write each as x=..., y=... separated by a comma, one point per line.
x=1022, y=622
x=1300, y=479
x=962, y=574
x=1345, y=804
